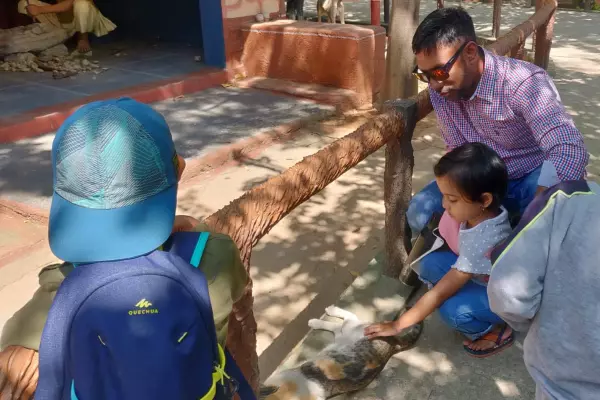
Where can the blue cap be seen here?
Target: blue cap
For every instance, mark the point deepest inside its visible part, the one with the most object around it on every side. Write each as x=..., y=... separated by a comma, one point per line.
x=115, y=183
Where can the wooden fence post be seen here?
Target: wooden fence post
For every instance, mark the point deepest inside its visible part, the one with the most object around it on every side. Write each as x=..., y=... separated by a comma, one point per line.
x=543, y=38
x=399, y=163
x=386, y=14
x=519, y=51
x=496, y=18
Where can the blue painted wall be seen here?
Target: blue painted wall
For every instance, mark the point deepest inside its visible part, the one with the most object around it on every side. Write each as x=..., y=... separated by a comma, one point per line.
x=195, y=22
x=211, y=16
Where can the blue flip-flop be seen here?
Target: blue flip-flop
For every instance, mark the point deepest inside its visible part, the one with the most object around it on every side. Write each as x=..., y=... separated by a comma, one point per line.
x=492, y=337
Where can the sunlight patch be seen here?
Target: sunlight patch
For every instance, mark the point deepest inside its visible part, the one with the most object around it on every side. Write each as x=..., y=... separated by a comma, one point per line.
x=507, y=388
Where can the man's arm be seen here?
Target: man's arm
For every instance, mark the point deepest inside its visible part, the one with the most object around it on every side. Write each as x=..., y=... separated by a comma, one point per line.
x=517, y=279
x=538, y=102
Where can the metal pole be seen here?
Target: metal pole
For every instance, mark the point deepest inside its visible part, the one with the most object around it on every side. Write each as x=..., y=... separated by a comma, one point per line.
x=376, y=12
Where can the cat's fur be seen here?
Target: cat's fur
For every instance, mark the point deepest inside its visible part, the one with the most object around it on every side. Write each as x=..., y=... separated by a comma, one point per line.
x=349, y=364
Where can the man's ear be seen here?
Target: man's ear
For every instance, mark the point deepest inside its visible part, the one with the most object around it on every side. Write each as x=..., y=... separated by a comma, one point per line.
x=486, y=199
x=471, y=51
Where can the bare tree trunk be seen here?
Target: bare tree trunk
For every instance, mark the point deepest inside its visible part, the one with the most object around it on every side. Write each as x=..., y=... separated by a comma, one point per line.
x=386, y=13
x=241, y=336
x=399, y=160
x=399, y=163
x=399, y=81
x=496, y=18
x=543, y=37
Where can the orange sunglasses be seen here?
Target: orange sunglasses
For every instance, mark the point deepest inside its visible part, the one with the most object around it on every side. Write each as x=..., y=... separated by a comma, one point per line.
x=442, y=73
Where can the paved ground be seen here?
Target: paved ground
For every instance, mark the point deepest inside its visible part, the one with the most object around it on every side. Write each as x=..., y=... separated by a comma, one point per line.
x=200, y=123
x=127, y=63
x=310, y=258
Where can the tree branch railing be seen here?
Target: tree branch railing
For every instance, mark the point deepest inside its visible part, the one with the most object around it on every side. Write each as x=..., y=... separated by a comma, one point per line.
x=251, y=216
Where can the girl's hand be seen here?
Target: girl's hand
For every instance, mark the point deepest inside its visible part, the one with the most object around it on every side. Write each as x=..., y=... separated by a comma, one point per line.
x=387, y=328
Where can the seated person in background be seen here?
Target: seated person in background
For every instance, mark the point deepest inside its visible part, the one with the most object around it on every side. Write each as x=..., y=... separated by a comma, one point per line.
x=76, y=16
x=545, y=281
x=220, y=263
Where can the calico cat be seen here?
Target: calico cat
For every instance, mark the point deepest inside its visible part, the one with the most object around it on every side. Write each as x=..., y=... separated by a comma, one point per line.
x=349, y=364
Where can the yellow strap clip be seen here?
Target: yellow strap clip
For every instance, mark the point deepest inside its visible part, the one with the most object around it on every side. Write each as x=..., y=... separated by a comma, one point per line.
x=218, y=375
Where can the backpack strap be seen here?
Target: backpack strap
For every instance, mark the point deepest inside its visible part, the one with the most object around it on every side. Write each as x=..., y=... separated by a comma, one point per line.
x=243, y=387
x=228, y=368
x=199, y=249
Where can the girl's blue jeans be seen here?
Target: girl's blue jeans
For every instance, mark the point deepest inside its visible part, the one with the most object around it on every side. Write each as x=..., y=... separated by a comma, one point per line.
x=468, y=311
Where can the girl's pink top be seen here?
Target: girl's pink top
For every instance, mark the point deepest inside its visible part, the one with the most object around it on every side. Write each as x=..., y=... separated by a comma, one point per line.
x=449, y=230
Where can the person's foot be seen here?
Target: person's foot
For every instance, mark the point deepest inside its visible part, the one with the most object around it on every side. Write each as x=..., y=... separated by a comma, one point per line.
x=490, y=340
x=83, y=43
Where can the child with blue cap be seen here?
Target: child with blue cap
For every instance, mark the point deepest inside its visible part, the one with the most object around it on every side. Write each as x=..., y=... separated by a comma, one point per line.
x=116, y=175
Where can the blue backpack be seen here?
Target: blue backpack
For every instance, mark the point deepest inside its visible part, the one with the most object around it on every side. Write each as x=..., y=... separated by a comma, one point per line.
x=141, y=328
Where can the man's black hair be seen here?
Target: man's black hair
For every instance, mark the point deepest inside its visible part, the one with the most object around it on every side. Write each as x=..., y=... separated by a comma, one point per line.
x=475, y=169
x=443, y=27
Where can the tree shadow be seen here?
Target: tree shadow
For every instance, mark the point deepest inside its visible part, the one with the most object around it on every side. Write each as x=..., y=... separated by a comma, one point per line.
x=579, y=92
x=310, y=257
x=200, y=123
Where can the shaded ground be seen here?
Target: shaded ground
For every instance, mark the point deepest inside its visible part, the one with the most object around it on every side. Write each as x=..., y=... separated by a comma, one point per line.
x=200, y=123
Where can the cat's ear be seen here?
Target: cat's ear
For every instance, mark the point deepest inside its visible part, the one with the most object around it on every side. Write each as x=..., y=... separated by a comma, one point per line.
x=266, y=391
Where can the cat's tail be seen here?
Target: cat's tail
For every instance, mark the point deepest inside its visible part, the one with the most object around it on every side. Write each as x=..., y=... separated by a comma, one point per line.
x=409, y=336
x=266, y=391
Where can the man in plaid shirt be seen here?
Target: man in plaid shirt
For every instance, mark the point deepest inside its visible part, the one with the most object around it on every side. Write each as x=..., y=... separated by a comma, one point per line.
x=510, y=105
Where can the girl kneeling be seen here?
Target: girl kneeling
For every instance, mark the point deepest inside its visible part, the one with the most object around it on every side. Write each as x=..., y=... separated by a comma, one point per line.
x=473, y=180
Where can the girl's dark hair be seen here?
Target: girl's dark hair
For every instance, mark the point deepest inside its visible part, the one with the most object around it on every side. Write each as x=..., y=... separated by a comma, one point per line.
x=475, y=169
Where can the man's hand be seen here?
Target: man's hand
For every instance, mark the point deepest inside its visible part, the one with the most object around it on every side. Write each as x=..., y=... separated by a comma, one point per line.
x=33, y=10
x=388, y=328
x=184, y=223
x=18, y=373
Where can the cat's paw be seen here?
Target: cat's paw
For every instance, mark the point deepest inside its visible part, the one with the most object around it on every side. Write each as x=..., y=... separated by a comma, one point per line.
x=331, y=310
x=314, y=323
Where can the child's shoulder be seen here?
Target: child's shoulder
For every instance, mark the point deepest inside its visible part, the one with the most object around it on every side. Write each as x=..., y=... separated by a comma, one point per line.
x=489, y=232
